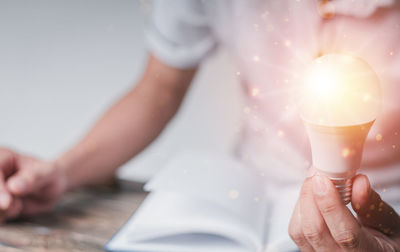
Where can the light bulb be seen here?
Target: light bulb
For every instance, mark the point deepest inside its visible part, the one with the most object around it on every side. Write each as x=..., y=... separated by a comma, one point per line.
x=339, y=101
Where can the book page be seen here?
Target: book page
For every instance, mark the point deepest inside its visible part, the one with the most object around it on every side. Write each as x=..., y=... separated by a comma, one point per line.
x=211, y=197
x=169, y=221
x=218, y=178
x=281, y=210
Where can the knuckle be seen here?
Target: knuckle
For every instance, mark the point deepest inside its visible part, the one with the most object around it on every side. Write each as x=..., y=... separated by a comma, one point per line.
x=304, y=193
x=348, y=240
x=5, y=151
x=7, y=156
x=328, y=209
x=297, y=236
x=313, y=237
x=314, y=234
x=294, y=231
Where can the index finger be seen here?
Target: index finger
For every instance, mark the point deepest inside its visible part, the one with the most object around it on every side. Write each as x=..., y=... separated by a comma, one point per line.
x=342, y=224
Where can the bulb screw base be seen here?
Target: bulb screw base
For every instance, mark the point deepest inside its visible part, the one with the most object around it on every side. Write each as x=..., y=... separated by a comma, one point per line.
x=344, y=187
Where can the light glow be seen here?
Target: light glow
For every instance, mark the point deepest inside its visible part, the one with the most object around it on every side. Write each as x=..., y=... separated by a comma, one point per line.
x=339, y=90
x=255, y=91
x=322, y=83
x=345, y=152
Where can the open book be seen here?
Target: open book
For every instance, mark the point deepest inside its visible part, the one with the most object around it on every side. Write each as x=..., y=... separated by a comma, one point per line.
x=203, y=202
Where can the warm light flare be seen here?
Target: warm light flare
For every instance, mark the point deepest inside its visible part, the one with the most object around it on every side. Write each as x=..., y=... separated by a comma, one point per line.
x=322, y=83
x=345, y=152
x=340, y=90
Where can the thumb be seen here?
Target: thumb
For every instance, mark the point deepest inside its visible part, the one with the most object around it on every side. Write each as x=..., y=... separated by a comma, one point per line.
x=30, y=177
x=21, y=183
x=371, y=210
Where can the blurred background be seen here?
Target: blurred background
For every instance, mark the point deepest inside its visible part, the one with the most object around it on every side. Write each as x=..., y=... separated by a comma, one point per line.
x=63, y=63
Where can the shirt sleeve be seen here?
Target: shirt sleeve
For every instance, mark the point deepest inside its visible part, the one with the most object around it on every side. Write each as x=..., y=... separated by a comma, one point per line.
x=178, y=33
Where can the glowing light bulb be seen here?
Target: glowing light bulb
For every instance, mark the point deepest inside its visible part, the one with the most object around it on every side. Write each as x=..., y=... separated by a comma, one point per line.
x=339, y=101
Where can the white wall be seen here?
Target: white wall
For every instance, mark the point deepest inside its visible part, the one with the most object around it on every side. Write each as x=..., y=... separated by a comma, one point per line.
x=64, y=62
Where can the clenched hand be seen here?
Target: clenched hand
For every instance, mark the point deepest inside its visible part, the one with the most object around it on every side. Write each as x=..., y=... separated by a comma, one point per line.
x=27, y=185
x=321, y=222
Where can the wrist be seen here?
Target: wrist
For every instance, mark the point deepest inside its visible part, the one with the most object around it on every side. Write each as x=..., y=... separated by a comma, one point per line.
x=60, y=172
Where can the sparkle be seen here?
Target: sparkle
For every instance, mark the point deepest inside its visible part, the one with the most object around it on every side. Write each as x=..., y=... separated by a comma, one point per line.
x=233, y=194
x=391, y=53
x=366, y=97
x=256, y=26
x=237, y=73
x=256, y=58
x=287, y=43
x=378, y=137
x=255, y=91
x=270, y=28
x=372, y=207
x=394, y=146
x=345, y=152
x=281, y=133
x=326, y=9
x=256, y=199
x=264, y=15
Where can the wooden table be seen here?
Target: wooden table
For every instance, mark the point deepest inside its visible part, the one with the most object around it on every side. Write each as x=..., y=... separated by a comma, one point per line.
x=83, y=221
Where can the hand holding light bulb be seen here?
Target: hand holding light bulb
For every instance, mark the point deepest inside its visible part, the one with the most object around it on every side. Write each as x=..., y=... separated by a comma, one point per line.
x=339, y=101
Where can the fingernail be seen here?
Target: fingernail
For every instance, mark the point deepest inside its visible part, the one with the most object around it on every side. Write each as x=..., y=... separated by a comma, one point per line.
x=319, y=185
x=367, y=185
x=17, y=185
x=4, y=201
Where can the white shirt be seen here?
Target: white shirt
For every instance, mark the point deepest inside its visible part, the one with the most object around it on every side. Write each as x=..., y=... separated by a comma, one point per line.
x=271, y=41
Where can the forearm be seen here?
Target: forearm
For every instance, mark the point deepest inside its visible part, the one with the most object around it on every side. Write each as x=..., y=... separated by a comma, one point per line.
x=126, y=129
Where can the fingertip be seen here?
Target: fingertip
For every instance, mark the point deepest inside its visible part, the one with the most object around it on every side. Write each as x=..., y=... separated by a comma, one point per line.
x=322, y=185
x=5, y=201
x=306, y=188
x=16, y=185
x=361, y=191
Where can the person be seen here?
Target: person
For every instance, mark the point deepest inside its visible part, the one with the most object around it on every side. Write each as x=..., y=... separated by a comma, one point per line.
x=271, y=42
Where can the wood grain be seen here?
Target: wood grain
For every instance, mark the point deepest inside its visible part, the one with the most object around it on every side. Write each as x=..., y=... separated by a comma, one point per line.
x=83, y=221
